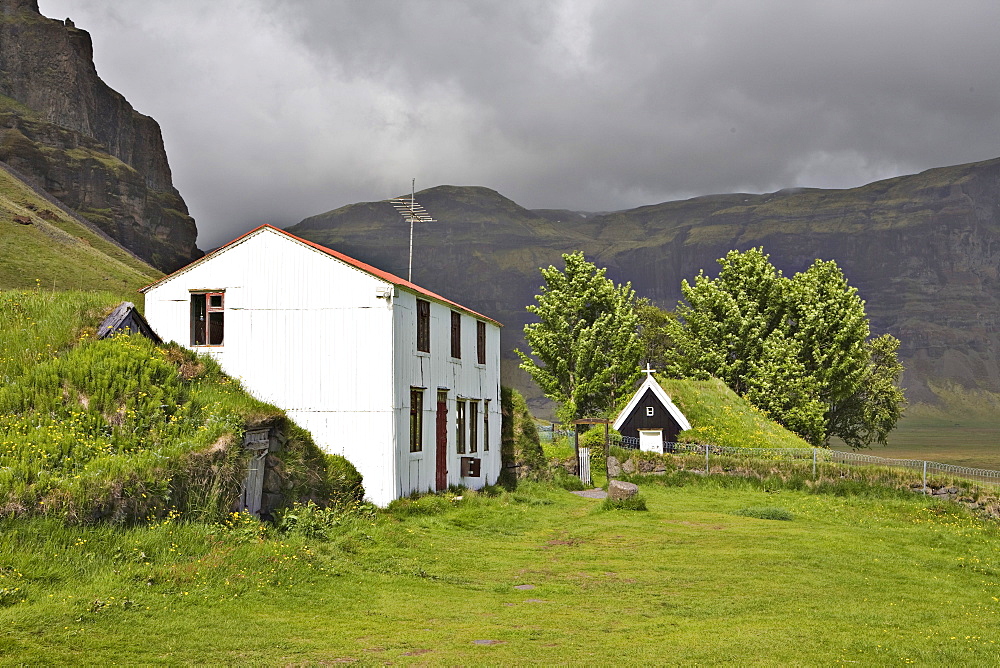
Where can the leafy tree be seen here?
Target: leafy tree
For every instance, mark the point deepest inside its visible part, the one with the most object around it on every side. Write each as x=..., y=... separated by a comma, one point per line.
x=584, y=349
x=795, y=347
x=654, y=333
x=721, y=329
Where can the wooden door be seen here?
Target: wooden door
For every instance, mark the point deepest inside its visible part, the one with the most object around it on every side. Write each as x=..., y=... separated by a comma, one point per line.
x=441, y=477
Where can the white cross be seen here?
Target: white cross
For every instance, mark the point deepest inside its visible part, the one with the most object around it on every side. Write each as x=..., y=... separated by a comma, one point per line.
x=649, y=371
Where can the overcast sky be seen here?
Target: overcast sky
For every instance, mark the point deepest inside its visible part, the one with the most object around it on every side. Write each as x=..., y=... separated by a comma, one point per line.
x=274, y=110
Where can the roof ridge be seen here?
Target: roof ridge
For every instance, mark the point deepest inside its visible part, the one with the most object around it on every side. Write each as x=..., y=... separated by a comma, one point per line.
x=358, y=264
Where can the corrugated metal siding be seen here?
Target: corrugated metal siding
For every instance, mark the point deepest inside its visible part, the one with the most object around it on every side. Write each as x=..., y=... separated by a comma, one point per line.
x=464, y=378
x=307, y=333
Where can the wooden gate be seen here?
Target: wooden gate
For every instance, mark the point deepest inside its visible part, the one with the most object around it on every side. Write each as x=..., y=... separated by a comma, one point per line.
x=441, y=477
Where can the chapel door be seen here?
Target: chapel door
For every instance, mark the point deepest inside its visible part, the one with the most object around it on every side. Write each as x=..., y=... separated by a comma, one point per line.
x=651, y=440
x=441, y=478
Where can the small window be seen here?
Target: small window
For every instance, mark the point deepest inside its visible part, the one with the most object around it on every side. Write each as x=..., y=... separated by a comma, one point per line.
x=207, y=318
x=649, y=411
x=473, y=426
x=486, y=425
x=423, y=326
x=416, y=420
x=456, y=334
x=460, y=426
x=481, y=342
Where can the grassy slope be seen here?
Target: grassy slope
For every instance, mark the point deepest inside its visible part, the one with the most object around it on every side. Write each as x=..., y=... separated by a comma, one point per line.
x=890, y=579
x=120, y=429
x=721, y=417
x=59, y=253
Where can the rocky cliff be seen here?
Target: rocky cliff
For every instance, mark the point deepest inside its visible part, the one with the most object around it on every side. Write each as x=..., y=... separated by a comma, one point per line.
x=923, y=250
x=83, y=142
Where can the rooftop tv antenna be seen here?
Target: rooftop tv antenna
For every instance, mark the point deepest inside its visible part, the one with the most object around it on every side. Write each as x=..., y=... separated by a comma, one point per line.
x=412, y=213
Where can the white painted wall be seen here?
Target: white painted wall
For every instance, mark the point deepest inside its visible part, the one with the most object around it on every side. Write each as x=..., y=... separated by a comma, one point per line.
x=312, y=335
x=463, y=378
x=305, y=332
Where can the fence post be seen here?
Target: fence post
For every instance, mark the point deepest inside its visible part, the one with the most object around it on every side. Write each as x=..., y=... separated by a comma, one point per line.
x=706, y=459
x=925, y=476
x=814, y=463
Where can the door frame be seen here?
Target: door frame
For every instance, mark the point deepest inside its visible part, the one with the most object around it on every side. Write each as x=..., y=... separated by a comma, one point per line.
x=441, y=442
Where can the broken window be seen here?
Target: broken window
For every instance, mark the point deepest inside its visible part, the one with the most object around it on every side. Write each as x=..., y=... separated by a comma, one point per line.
x=473, y=426
x=460, y=426
x=423, y=326
x=207, y=318
x=456, y=334
x=481, y=342
x=416, y=419
x=486, y=425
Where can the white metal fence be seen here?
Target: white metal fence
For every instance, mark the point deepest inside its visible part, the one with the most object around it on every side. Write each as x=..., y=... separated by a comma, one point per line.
x=823, y=456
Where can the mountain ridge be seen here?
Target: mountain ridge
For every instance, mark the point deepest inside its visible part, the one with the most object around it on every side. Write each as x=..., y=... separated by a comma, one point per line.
x=922, y=249
x=81, y=141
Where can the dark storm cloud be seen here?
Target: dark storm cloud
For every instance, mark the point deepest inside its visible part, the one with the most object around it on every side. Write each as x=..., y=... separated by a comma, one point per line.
x=275, y=110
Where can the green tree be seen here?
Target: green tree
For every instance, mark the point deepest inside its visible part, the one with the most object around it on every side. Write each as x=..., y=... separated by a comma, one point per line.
x=585, y=349
x=795, y=347
x=655, y=325
x=721, y=329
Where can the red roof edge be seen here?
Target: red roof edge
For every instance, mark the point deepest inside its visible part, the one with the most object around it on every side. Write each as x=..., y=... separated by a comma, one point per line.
x=358, y=264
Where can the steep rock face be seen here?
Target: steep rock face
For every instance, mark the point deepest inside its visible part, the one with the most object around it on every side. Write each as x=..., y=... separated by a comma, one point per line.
x=923, y=251
x=82, y=141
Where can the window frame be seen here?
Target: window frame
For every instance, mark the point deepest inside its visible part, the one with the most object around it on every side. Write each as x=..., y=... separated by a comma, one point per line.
x=423, y=326
x=456, y=335
x=650, y=411
x=481, y=342
x=460, y=426
x=201, y=305
x=416, y=419
x=486, y=425
x=474, y=426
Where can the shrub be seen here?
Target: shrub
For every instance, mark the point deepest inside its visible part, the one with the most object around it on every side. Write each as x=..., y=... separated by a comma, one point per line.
x=310, y=521
x=520, y=449
x=567, y=480
x=636, y=502
x=765, y=513
x=343, y=480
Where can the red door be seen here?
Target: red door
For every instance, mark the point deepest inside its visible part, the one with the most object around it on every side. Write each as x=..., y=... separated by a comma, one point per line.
x=442, y=441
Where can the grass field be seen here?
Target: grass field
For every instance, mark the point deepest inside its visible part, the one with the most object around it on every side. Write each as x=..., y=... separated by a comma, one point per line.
x=538, y=576
x=969, y=440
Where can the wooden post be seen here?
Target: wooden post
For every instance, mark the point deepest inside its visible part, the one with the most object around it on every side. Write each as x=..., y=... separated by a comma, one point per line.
x=576, y=445
x=607, y=452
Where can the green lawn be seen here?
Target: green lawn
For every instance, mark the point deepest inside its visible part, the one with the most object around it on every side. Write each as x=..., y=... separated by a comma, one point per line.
x=877, y=579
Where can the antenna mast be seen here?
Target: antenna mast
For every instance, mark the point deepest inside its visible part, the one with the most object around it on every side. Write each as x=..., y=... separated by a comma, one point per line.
x=412, y=213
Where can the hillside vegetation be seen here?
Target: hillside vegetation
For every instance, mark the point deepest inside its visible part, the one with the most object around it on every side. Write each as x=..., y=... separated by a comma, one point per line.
x=719, y=416
x=41, y=246
x=122, y=430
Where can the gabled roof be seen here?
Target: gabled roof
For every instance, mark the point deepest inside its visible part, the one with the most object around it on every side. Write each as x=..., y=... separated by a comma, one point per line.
x=651, y=384
x=126, y=317
x=357, y=264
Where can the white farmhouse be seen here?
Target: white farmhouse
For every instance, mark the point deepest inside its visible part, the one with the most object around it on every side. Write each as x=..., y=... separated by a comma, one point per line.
x=401, y=381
